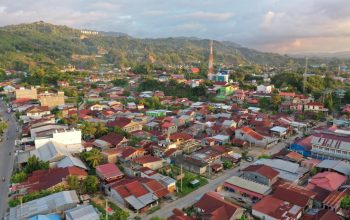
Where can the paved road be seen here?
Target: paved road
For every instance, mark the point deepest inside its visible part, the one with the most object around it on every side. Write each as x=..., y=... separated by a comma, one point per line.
x=6, y=161
x=166, y=209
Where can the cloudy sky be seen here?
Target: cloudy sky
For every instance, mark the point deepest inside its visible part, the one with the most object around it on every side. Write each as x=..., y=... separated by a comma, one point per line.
x=284, y=26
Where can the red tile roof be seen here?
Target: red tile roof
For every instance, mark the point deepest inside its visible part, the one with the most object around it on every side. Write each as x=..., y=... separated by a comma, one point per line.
x=146, y=159
x=181, y=136
x=334, y=198
x=21, y=100
x=112, y=138
x=139, y=187
x=45, y=179
x=294, y=194
x=295, y=156
x=325, y=214
x=179, y=215
x=120, y=122
x=108, y=171
x=252, y=133
x=330, y=181
x=216, y=207
x=262, y=170
x=277, y=208
x=129, y=151
x=156, y=187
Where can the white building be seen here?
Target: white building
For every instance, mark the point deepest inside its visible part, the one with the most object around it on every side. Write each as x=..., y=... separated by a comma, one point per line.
x=264, y=89
x=70, y=139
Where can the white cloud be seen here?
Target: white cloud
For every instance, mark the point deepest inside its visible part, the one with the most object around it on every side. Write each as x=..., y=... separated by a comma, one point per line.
x=211, y=15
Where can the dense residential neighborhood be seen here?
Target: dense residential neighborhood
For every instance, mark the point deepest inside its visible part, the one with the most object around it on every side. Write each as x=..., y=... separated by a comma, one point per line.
x=103, y=125
x=131, y=153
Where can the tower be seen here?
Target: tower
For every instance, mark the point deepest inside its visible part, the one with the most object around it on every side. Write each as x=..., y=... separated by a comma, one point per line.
x=305, y=75
x=211, y=61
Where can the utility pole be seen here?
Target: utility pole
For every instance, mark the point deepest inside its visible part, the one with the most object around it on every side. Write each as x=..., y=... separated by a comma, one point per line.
x=181, y=177
x=106, y=209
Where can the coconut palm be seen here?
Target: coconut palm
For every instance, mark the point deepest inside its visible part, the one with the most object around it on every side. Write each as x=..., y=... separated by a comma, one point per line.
x=94, y=157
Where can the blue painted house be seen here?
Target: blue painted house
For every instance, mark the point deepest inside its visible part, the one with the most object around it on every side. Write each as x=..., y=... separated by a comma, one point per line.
x=302, y=146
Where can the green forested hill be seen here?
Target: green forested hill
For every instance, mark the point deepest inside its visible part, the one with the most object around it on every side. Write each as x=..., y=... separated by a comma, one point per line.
x=25, y=46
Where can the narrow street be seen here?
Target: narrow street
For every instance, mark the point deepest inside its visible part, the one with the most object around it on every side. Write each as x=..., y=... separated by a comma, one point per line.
x=188, y=200
x=6, y=160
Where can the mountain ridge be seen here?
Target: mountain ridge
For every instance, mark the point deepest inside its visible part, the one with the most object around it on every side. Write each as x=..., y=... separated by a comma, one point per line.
x=41, y=43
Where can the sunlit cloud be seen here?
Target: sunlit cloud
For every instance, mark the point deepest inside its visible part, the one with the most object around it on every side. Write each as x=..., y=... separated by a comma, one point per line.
x=269, y=25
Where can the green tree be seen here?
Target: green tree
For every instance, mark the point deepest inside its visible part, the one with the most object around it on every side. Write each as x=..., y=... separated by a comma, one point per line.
x=35, y=164
x=345, y=202
x=3, y=127
x=329, y=103
x=276, y=100
x=101, y=129
x=120, y=214
x=19, y=177
x=227, y=164
x=120, y=131
x=90, y=184
x=94, y=157
x=88, y=129
x=121, y=82
x=73, y=183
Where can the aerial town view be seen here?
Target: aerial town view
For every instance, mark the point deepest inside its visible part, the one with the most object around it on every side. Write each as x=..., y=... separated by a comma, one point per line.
x=175, y=110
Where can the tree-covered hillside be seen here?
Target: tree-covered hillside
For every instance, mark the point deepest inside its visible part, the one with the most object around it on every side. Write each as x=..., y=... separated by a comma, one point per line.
x=27, y=45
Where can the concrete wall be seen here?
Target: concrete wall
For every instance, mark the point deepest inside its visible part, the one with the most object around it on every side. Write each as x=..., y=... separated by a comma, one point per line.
x=52, y=100
x=26, y=93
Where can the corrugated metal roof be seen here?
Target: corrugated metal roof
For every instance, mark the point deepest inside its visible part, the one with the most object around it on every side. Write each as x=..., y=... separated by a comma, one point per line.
x=85, y=212
x=249, y=185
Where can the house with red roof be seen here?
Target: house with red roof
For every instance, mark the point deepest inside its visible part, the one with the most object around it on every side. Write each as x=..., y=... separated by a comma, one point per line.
x=330, y=181
x=179, y=215
x=315, y=107
x=37, y=112
x=261, y=174
x=109, y=172
x=325, y=214
x=168, y=128
x=149, y=161
x=333, y=200
x=130, y=153
x=251, y=136
x=110, y=140
x=213, y=206
x=138, y=194
x=288, y=201
x=295, y=194
x=273, y=208
x=51, y=178
x=126, y=124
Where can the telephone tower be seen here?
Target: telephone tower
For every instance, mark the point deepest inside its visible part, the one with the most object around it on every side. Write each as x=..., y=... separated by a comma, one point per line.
x=305, y=74
x=211, y=60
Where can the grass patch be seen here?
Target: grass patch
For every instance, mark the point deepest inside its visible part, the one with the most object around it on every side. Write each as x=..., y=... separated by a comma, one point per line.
x=118, y=213
x=187, y=188
x=153, y=209
x=174, y=172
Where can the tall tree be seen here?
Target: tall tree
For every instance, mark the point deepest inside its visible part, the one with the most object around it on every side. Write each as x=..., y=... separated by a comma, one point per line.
x=90, y=184
x=94, y=157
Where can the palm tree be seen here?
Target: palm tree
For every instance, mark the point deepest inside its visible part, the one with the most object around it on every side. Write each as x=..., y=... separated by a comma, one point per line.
x=73, y=182
x=88, y=129
x=94, y=158
x=101, y=129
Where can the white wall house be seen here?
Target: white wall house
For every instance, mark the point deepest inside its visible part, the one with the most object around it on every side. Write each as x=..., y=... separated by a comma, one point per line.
x=264, y=89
